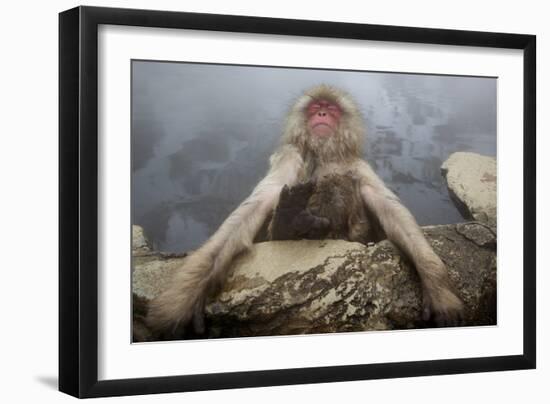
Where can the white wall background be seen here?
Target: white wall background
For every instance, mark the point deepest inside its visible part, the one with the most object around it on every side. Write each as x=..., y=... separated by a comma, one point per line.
x=28, y=163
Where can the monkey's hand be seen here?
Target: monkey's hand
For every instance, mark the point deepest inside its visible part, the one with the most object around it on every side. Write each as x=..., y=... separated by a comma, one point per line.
x=179, y=310
x=442, y=305
x=296, y=197
x=292, y=203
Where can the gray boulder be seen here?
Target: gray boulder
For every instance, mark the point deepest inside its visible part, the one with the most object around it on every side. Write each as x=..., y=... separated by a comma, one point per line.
x=297, y=287
x=140, y=244
x=472, y=182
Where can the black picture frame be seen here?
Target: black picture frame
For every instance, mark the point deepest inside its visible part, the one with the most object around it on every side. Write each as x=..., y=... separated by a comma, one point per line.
x=78, y=201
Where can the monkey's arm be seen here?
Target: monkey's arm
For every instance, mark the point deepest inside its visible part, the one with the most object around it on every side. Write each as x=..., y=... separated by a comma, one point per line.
x=206, y=268
x=439, y=299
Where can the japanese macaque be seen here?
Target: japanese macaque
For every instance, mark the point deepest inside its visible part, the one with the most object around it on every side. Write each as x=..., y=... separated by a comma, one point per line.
x=323, y=136
x=330, y=208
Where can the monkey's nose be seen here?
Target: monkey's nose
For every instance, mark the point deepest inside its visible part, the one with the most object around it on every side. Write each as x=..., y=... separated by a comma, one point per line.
x=322, y=113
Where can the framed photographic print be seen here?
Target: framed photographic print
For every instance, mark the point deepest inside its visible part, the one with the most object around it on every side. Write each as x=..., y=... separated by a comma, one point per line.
x=251, y=201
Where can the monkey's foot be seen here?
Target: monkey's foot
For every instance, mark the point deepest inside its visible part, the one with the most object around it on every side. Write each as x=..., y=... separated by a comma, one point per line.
x=311, y=225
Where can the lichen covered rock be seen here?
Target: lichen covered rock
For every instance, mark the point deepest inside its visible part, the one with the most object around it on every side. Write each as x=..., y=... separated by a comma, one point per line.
x=310, y=286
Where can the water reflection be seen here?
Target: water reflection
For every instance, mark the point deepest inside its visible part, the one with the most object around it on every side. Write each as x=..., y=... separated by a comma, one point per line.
x=202, y=136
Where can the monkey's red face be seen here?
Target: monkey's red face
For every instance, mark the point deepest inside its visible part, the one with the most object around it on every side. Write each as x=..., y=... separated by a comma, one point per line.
x=322, y=118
